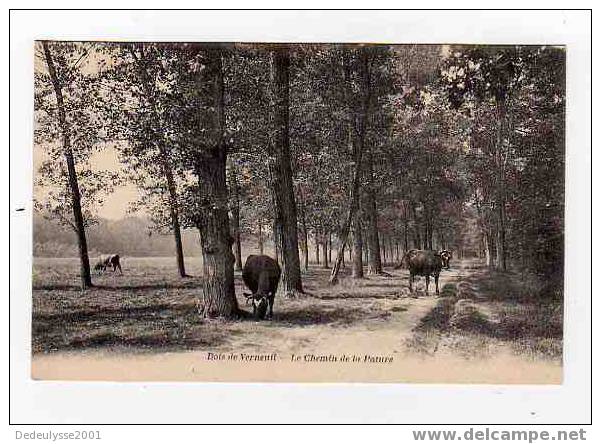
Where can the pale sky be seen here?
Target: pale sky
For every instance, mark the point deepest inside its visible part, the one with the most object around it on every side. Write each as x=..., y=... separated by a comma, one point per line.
x=115, y=204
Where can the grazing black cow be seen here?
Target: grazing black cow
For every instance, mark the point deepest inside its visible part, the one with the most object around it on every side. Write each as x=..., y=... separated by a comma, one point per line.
x=107, y=261
x=261, y=274
x=425, y=263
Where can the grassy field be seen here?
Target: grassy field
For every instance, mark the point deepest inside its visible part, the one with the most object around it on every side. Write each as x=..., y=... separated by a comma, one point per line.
x=149, y=310
x=150, y=307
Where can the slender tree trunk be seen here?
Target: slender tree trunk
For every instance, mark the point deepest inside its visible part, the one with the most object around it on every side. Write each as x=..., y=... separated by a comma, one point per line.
x=357, y=249
x=485, y=232
x=330, y=246
x=235, y=210
x=148, y=86
x=501, y=247
x=175, y=225
x=276, y=231
x=430, y=232
x=260, y=239
x=374, y=260
x=417, y=241
x=316, y=247
x=305, y=233
x=219, y=297
x=281, y=172
x=305, y=248
x=324, y=251
x=78, y=221
x=427, y=229
x=358, y=149
x=406, y=236
x=501, y=255
x=487, y=249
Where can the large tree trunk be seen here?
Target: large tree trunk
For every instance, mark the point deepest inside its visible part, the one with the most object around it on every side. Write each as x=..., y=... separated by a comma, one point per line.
x=78, y=221
x=219, y=297
x=235, y=210
x=281, y=172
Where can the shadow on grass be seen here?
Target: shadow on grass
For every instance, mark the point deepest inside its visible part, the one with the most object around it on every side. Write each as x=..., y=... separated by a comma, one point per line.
x=380, y=284
x=316, y=315
x=124, y=287
x=158, y=327
x=339, y=296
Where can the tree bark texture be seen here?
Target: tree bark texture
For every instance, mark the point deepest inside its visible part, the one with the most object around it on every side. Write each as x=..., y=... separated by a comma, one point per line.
x=219, y=297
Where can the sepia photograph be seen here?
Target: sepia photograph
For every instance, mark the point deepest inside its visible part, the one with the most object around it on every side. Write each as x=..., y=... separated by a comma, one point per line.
x=307, y=212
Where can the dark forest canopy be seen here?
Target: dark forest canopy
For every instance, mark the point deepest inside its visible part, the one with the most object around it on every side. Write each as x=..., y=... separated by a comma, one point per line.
x=374, y=147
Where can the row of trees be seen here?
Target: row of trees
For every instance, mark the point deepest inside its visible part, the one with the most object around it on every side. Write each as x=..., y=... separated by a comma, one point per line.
x=392, y=147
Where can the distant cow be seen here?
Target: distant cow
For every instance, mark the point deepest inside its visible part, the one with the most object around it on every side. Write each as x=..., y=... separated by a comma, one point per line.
x=261, y=274
x=107, y=261
x=425, y=263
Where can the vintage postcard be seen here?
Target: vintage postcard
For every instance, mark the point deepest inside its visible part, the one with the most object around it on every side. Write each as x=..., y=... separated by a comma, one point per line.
x=323, y=212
